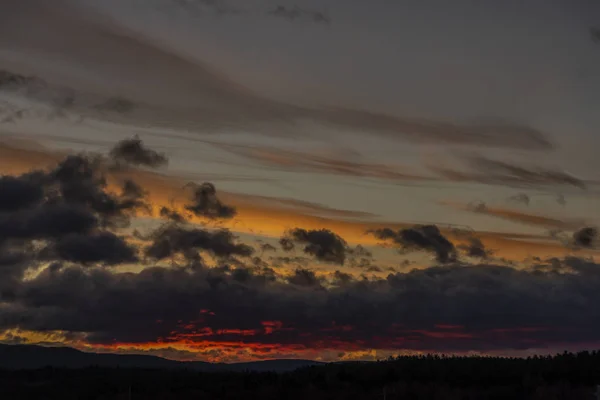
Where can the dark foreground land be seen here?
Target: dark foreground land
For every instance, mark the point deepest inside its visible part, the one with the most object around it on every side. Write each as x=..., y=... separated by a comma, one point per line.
x=566, y=376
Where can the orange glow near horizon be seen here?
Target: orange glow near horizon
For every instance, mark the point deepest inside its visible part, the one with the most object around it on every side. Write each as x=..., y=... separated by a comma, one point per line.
x=246, y=345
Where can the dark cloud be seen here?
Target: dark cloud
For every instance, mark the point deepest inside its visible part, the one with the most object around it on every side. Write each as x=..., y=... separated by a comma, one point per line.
x=266, y=247
x=359, y=257
x=491, y=307
x=63, y=214
x=15, y=260
x=102, y=247
x=475, y=248
x=342, y=278
x=79, y=180
x=170, y=240
x=133, y=197
x=585, y=237
x=170, y=214
x=295, y=13
x=133, y=152
x=322, y=244
x=19, y=192
x=420, y=238
x=287, y=244
x=48, y=221
x=295, y=262
x=303, y=277
x=206, y=203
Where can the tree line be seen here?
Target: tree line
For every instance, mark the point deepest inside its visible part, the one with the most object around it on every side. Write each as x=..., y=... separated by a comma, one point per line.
x=563, y=376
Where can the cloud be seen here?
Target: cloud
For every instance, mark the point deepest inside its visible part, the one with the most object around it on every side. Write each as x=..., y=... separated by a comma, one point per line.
x=516, y=216
x=286, y=243
x=133, y=152
x=268, y=216
x=585, y=237
x=423, y=238
x=47, y=221
x=491, y=307
x=219, y=7
x=64, y=213
x=19, y=192
x=479, y=169
x=303, y=207
x=69, y=233
x=342, y=278
x=302, y=161
x=170, y=240
x=102, y=247
x=205, y=203
x=476, y=249
x=167, y=213
x=495, y=172
x=499, y=135
x=297, y=13
x=322, y=244
x=176, y=91
x=223, y=8
x=12, y=80
x=267, y=247
x=81, y=180
x=63, y=100
x=303, y=277
x=520, y=198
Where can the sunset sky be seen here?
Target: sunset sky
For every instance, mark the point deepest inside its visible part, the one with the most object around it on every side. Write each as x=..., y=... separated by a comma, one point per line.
x=391, y=177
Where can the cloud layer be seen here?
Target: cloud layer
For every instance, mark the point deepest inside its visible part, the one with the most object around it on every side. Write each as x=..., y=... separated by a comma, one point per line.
x=65, y=246
x=175, y=90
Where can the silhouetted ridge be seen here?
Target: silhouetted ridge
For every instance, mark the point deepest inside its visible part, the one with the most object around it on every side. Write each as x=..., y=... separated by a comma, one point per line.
x=33, y=357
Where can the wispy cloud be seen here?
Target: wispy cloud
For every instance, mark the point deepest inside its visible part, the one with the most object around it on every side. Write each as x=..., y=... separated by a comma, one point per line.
x=295, y=13
x=175, y=90
x=304, y=161
x=224, y=8
x=527, y=218
x=495, y=172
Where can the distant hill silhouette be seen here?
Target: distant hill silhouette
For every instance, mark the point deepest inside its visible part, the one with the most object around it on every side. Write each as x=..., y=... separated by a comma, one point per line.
x=33, y=357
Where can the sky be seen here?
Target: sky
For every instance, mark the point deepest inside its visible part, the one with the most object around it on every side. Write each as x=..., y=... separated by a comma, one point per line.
x=331, y=180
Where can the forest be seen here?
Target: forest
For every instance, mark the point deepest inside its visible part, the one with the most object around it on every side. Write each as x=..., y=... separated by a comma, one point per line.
x=563, y=376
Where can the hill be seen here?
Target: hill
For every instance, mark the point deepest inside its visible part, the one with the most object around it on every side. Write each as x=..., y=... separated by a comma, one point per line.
x=33, y=357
